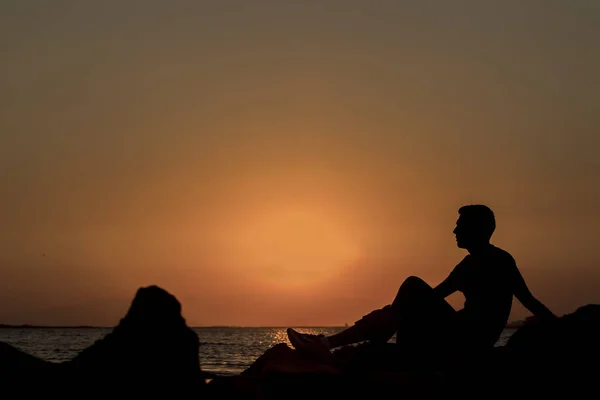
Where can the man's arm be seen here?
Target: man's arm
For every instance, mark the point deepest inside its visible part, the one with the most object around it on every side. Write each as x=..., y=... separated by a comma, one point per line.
x=447, y=287
x=522, y=293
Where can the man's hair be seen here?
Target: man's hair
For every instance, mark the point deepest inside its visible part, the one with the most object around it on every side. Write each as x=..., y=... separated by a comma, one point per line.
x=480, y=217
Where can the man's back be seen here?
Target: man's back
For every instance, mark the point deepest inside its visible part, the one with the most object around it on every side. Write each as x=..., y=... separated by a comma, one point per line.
x=487, y=280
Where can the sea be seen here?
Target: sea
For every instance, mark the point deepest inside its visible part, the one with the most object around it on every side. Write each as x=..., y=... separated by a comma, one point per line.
x=223, y=350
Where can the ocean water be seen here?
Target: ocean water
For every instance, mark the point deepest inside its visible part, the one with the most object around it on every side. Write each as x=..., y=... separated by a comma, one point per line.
x=223, y=350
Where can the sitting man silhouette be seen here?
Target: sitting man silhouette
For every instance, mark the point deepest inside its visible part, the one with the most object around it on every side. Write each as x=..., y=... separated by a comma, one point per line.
x=424, y=322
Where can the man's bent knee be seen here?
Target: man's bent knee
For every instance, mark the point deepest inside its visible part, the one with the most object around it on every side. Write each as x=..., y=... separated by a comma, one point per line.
x=413, y=289
x=414, y=283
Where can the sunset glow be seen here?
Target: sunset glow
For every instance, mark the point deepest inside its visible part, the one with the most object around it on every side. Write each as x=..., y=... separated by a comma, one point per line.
x=290, y=163
x=293, y=246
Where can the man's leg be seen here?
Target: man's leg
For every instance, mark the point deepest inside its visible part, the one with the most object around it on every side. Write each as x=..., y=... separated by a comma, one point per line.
x=417, y=300
x=424, y=319
x=415, y=303
x=377, y=326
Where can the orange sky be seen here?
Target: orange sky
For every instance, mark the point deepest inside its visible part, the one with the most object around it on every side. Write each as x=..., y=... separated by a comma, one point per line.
x=272, y=163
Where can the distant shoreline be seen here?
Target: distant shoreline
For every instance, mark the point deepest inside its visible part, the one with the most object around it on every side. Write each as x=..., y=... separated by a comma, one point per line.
x=26, y=326
x=3, y=326
x=512, y=325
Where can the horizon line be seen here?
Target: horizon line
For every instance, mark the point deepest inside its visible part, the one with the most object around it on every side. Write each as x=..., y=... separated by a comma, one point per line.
x=511, y=324
x=27, y=326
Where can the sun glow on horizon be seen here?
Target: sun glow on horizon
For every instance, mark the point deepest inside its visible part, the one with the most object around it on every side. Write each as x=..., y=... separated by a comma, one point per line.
x=294, y=246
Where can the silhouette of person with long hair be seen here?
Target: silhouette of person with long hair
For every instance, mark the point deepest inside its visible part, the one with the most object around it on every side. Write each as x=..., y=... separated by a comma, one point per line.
x=420, y=316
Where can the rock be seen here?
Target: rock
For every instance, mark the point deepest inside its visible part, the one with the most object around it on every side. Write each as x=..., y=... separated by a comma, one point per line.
x=560, y=354
x=12, y=358
x=575, y=332
x=280, y=359
x=152, y=338
x=543, y=358
x=150, y=349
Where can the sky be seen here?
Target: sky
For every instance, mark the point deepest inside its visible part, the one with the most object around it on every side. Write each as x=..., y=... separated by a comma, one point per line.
x=279, y=163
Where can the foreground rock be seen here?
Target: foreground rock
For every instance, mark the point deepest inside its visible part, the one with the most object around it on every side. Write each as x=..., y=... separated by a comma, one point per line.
x=150, y=349
x=560, y=355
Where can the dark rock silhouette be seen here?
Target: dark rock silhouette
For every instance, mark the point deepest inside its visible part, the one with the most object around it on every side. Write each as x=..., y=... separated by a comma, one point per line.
x=150, y=349
x=12, y=359
x=573, y=332
x=152, y=338
x=564, y=352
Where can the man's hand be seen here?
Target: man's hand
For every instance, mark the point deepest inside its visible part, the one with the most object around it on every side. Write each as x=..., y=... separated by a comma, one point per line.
x=531, y=320
x=534, y=319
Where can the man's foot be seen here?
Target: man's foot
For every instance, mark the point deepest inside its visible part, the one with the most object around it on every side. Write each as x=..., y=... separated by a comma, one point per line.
x=310, y=344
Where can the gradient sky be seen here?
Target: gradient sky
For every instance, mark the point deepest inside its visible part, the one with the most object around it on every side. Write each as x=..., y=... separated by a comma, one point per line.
x=290, y=163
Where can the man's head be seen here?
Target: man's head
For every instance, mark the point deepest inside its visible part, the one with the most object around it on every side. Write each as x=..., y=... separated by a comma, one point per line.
x=475, y=226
